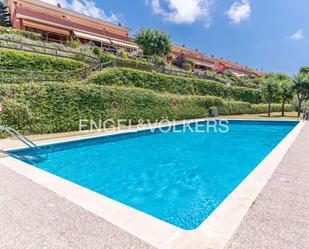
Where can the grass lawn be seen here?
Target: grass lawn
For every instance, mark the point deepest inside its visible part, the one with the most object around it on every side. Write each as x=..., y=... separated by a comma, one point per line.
x=274, y=116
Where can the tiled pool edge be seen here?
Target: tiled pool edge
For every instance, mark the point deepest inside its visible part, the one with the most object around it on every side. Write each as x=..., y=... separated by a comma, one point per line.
x=220, y=226
x=213, y=233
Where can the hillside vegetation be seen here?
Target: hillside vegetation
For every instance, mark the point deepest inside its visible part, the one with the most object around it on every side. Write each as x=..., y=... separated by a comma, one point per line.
x=173, y=84
x=20, y=60
x=58, y=107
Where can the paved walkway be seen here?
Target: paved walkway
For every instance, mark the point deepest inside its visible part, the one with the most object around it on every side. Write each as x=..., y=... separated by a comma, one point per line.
x=279, y=218
x=34, y=217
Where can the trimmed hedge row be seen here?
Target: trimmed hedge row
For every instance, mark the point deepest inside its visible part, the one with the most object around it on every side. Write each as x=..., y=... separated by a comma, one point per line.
x=173, y=84
x=48, y=108
x=238, y=107
x=19, y=60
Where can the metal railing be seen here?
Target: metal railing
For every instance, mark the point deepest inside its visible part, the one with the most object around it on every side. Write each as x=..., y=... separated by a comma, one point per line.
x=20, y=137
x=38, y=155
x=46, y=49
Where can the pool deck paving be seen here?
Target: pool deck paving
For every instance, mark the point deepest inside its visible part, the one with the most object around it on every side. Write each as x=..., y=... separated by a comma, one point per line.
x=279, y=218
x=32, y=216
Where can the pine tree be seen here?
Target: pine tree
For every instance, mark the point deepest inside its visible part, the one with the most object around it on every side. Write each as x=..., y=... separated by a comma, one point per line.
x=4, y=16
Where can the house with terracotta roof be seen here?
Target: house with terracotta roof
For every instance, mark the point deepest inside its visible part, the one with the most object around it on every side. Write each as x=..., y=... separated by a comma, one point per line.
x=59, y=24
x=204, y=62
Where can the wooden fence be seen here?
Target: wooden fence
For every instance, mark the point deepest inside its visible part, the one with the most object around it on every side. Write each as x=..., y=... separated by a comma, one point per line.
x=8, y=75
x=48, y=50
x=151, y=67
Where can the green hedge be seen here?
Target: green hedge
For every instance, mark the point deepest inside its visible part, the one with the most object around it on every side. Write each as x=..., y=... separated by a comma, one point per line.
x=263, y=108
x=173, y=84
x=19, y=60
x=238, y=107
x=47, y=108
x=235, y=108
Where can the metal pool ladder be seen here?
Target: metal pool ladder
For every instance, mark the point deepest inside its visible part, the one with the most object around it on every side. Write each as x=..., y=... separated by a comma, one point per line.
x=20, y=137
x=39, y=154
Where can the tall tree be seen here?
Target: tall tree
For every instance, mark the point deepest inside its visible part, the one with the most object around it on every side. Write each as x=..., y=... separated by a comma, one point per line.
x=301, y=87
x=154, y=42
x=286, y=91
x=304, y=70
x=4, y=16
x=270, y=88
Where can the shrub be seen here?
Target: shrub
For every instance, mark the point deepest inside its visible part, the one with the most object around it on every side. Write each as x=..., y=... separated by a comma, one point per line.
x=238, y=107
x=263, y=108
x=23, y=33
x=180, y=61
x=19, y=60
x=235, y=108
x=158, y=61
x=134, y=59
x=74, y=43
x=188, y=67
x=103, y=56
x=144, y=61
x=123, y=54
x=173, y=84
x=47, y=107
x=42, y=47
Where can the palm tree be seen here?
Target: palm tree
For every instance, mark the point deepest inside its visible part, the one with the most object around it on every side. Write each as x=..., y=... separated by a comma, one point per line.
x=301, y=87
x=270, y=88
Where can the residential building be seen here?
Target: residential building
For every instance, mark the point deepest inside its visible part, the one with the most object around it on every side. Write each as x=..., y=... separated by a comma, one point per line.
x=59, y=24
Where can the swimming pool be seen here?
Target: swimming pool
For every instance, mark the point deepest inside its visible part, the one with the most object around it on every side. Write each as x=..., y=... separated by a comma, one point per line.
x=177, y=177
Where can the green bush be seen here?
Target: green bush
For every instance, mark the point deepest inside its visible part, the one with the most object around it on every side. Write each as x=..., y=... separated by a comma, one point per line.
x=19, y=60
x=238, y=107
x=23, y=33
x=47, y=107
x=235, y=108
x=173, y=84
x=14, y=41
x=103, y=56
x=263, y=108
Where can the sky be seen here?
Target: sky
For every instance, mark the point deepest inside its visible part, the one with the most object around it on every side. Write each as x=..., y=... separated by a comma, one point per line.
x=270, y=35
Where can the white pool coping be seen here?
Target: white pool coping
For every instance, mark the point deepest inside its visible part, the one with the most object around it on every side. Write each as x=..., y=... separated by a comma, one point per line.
x=214, y=232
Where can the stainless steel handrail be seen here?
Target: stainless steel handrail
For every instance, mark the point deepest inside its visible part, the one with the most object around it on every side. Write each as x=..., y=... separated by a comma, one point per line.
x=20, y=137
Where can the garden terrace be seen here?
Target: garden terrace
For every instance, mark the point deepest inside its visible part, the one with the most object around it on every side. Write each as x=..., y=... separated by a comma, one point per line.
x=173, y=84
x=22, y=66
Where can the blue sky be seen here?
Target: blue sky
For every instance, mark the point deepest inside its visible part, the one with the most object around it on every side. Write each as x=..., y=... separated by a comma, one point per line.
x=268, y=34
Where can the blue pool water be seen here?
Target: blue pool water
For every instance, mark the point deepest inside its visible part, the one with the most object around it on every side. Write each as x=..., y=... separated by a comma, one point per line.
x=177, y=177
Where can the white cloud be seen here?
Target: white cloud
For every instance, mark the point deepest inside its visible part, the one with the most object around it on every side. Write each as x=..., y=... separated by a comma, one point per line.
x=239, y=11
x=183, y=11
x=298, y=35
x=86, y=7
